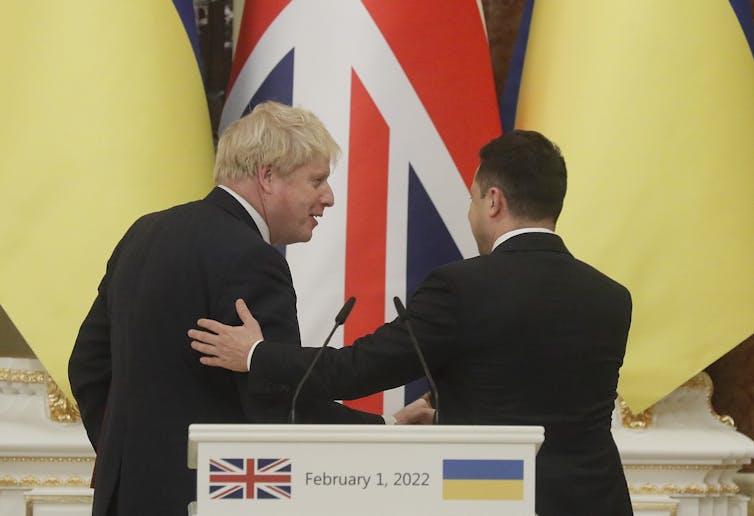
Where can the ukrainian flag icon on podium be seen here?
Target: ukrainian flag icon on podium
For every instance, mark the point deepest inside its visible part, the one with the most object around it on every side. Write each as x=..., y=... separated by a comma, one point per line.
x=476, y=479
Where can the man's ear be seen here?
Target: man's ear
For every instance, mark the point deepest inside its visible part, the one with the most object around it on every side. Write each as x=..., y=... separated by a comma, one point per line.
x=264, y=178
x=496, y=201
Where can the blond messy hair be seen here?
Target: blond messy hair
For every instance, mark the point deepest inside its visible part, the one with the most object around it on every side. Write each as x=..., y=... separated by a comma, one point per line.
x=272, y=135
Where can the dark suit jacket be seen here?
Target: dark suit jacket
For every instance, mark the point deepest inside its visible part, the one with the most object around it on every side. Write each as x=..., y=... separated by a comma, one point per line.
x=526, y=335
x=137, y=381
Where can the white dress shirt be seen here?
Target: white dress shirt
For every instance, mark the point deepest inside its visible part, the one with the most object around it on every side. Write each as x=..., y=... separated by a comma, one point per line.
x=256, y=217
x=510, y=234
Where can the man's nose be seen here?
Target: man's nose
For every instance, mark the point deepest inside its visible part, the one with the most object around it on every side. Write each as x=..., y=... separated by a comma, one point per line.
x=328, y=197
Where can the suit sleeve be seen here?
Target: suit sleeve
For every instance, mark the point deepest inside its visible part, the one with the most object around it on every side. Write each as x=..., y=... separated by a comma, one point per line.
x=264, y=282
x=375, y=362
x=90, y=364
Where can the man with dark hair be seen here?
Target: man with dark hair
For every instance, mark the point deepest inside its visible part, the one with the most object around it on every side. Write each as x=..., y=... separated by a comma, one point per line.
x=529, y=169
x=524, y=334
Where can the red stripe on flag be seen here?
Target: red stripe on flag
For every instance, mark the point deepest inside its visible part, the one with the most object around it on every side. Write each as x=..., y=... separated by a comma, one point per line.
x=366, y=223
x=257, y=17
x=442, y=48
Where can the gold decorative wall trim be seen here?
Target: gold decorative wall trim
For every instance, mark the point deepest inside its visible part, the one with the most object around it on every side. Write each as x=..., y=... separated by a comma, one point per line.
x=686, y=467
x=61, y=409
x=730, y=489
x=21, y=376
x=640, y=421
x=687, y=489
x=669, y=489
x=30, y=481
x=704, y=382
x=47, y=459
x=644, y=419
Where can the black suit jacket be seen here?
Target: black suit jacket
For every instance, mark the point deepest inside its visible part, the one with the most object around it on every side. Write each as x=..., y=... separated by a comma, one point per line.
x=526, y=335
x=137, y=381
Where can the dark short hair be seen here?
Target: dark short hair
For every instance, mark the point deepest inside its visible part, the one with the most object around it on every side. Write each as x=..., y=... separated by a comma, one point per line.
x=530, y=171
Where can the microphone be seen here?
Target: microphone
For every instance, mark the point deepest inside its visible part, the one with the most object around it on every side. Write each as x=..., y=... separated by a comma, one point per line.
x=403, y=316
x=339, y=320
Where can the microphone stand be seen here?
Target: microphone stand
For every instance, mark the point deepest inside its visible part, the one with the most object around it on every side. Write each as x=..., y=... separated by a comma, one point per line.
x=403, y=316
x=339, y=320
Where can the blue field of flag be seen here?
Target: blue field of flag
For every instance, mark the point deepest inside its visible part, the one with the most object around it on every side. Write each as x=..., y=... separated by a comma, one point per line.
x=483, y=479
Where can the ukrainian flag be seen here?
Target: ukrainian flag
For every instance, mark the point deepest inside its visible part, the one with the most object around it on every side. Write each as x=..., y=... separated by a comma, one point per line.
x=652, y=104
x=104, y=119
x=473, y=479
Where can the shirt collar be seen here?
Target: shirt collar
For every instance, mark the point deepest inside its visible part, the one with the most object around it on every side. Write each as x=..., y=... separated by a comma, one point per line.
x=510, y=234
x=264, y=230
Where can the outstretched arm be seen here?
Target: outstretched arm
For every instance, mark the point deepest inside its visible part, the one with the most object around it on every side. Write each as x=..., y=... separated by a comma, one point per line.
x=228, y=347
x=375, y=362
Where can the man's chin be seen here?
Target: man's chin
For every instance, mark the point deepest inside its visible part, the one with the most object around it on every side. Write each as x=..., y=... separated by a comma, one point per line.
x=299, y=239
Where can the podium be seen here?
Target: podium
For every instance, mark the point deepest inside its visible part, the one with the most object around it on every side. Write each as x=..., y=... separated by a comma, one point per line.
x=363, y=469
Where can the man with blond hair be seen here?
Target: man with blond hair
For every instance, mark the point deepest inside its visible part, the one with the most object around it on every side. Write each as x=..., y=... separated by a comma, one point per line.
x=137, y=382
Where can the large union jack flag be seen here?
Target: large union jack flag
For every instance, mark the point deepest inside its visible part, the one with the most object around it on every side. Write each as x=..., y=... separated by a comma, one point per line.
x=250, y=478
x=406, y=89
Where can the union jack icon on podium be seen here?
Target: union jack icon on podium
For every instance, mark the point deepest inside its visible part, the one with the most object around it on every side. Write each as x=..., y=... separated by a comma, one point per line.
x=250, y=479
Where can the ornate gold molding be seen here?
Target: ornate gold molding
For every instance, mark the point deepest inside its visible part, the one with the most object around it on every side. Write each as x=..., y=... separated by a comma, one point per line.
x=677, y=467
x=704, y=382
x=644, y=419
x=30, y=481
x=669, y=489
x=61, y=409
x=47, y=459
x=640, y=421
x=20, y=376
x=730, y=489
x=686, y=489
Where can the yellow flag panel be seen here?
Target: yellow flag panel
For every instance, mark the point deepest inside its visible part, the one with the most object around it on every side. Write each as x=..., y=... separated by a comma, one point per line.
x=652, y=104
x=104, y=119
